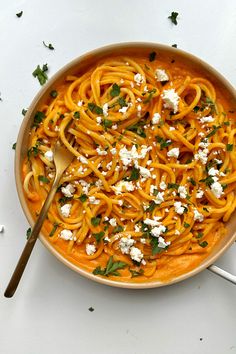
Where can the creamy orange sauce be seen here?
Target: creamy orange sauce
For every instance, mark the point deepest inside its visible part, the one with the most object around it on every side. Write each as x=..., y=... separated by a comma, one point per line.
x=180, y=238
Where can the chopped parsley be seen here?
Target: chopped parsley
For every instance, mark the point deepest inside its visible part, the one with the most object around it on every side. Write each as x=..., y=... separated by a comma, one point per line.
x=152, y=206
x=203, y=244
x=191, y=180
x=98, y=236
x=91, y=309
x=38, y=118
x=186, y=225
x=53, y=93
x=28, y=232
x=196, y=109
x=136, y=273
x=55, y=226
x=208, y=181
x=43, y=179
x=19, y=14
x=83, y=198
x=154, y=245
x=229, y=147
x=118, y=228
x=110, y=269
x=174, y=45
x=115, y=90
x=33, y=151
x=163, y=143
x=173, y=186
x=24, y=111
x=134, y=176
x=150, y=92
x=227, y=123
x=94, y=108
x=107, y=123
x=64, y=199
x=152, y=56
x=14, y=146
x=138, y=129
x=199, y=235
x=122, y=102
x=49, y=46
x=76, y=115
x=95, y=221
x=215, y=128
x=224, y=186
x=173, y=17
x=40, y=74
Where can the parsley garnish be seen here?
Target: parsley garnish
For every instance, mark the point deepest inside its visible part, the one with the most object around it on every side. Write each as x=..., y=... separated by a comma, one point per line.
x=173, y=17
x=155, y=248
x=41, y=74
x=136, y=273
x=215, y=128
x=107, y=123
x=14, y=146
x=229, y=147
x=76, y=115
x=199, y=235
x=163, y=143
x=138, y=129
x=173, y=186
x=227, y=123
x=91, y=309
x=224, y=186
x=134, y=176
x=49, y=46
x=196, y=109
x=174, y=45
x=99, y=236
x=24, y=111
x=152, y=206
x=43, y=179
x=55, y=226
x=63, y=199
x=209, y=180
x=115, y=90
x=83, y=198
x=122, y=102
x=38, y=118
x=186, y=225
x=152, y=56
x=95, y=221
x=33, y=150
x=203, y=244
x=94, y=108
x=28, y=232
x=53, y=93
x=191, y=180
x=118, y=228
x=148, y=99
x=19, y=14
x=110, y=269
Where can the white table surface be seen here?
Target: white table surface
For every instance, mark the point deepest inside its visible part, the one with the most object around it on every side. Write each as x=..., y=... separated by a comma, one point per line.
x=49, y=313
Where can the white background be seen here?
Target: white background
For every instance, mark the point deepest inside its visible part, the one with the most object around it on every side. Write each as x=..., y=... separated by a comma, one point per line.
x=49, y=313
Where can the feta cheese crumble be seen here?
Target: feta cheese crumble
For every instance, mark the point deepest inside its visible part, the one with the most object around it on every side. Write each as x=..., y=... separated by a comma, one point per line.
x=113, y=222
x=197, y=215
x=125, y=244
x=139, y=79
x=182, y=192
x=105, y=109
x=158, y=230
x=68, y=190
x=208, y=119
x=90, y=249
x=217, y=189
x=49, y=155
x=65, y=210
x=67, y=235
x=101, y=152
x=202, y=155
x=124, y=186
x=173, y=152
x=156, y=118
x=161, y=75
x=171, y=100
x=163, y=186
x=179, y=209
x=162, y=243
x=136, y=254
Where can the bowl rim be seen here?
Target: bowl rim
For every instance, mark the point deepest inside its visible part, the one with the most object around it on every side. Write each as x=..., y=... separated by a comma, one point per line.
x=17, y=164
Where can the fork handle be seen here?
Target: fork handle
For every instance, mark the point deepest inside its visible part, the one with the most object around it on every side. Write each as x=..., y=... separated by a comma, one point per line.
x=23, y=260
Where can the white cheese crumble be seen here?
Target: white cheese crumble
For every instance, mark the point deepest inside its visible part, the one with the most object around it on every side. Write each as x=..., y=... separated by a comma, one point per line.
x=171, y=129
x=197, y=215
x=158, y=230
x=162, y=243
x=213, y=172
x=99, y=120
x=113, y=222
x=144, y=171
x=161, y=75
x=202, y=155
x=207, y=119
x=68, y=190
x=152, y=222
x=182, y=192
x=67, y=235
x=90, y=249
x=163, y=186
x=179, y=209
x=49, y=155
x=136, y=254
x=159, y=198
x=80, y=103
x=199, y=193
x=101, y=152
x=171, y=100
x=123, y=109
x=93, y=200
x=173, y=152
x=105, y=109
x=123, y=186
x=113, y=151
x=83, y=160
x=125, y=244
x=85, y=186
x=217, y=189
x=156, y=118
x=177, y=232
x=65, y=210
x=139, y=79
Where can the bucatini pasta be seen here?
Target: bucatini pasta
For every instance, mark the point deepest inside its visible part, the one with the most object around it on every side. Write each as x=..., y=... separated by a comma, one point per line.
x=153, y=178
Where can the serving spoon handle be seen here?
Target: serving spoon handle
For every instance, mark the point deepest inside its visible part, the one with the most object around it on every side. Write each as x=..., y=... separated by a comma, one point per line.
x=23, y=260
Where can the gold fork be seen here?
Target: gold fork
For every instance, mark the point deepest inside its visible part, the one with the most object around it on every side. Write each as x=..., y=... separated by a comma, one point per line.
x=62, y=159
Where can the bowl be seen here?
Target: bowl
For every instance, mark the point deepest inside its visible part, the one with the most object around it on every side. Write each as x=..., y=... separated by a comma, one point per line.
x=81, y=64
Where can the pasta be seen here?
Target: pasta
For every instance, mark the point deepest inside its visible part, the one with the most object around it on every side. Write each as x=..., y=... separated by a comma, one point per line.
x=153, y=178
